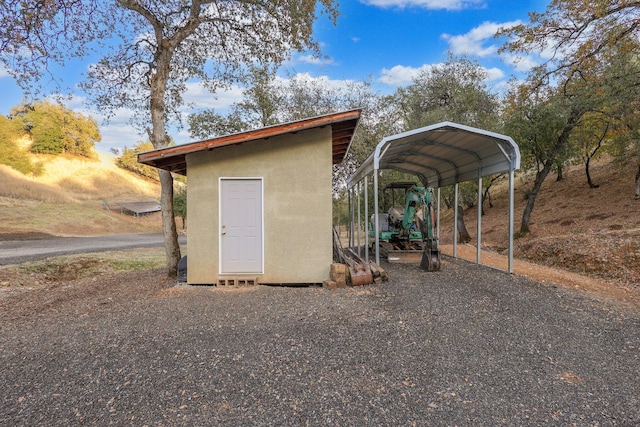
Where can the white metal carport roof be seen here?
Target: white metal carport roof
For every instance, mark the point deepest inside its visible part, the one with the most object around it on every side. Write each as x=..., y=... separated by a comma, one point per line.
x=440, y=155
x=443, y=154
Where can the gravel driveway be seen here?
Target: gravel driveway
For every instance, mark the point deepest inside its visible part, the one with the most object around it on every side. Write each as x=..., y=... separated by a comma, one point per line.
x=15, y=249
x=465, y=346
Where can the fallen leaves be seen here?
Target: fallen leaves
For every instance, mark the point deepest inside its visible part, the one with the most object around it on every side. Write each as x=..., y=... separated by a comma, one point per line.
x=570, y=378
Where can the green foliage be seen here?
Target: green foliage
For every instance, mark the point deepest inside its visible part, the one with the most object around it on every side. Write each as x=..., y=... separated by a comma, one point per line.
x=129, y=161
x=10, y=153
x=467, y=195
x=598, y=41
x=455, y=91
x=261, y=106
x=180, y=203
x=268, y=101
x=55, y=129
x=209, y=124
x=341, y=210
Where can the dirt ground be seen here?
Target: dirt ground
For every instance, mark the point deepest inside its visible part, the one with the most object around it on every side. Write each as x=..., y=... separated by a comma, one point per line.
x=579, y=236
x=552, y=276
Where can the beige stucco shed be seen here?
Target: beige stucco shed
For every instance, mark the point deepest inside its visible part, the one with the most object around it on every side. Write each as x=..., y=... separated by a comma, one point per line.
x=259, y=202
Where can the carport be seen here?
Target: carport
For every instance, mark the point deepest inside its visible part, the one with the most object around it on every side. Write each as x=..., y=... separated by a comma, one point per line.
x=438, y=155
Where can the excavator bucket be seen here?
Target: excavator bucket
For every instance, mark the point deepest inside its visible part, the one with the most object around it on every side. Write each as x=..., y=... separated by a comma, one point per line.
x=431, y=256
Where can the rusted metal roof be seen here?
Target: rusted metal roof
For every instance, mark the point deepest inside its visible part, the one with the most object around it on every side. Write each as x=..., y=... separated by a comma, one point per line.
x=343, y=125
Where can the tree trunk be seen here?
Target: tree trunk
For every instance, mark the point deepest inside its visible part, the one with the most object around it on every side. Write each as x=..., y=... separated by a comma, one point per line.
x=159, y=139
x=586, y=169
x=169, y=231
x=463, y=234
x=560, y=175
x=591, y=154
x=487, y=195
x=638, y=183
x=551, y=159
x=526, y=215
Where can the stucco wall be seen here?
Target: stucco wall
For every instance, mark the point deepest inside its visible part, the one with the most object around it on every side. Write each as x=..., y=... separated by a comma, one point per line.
x=296, y=171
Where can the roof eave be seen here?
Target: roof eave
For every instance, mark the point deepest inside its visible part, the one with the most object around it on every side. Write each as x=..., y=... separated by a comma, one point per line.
x=174, y=158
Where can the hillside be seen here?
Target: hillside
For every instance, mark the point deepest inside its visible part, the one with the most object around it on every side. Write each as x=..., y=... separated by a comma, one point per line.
x=68, y=198
x=595, y=232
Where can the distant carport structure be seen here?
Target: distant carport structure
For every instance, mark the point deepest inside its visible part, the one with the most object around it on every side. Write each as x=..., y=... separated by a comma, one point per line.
x=439, y=155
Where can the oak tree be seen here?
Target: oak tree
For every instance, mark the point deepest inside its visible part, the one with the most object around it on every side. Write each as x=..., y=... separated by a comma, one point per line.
x=455, y=91
x=575, y=35
x=55, y=129
x=150, y=52
x=579, y=39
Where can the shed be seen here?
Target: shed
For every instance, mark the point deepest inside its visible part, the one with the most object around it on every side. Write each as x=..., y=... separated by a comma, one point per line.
x=443, y=154
x=259, y=202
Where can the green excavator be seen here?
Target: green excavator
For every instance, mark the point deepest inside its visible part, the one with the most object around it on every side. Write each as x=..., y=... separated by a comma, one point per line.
x=406, y=232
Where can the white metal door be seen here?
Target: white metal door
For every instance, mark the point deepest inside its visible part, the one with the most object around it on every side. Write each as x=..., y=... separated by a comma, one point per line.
x=241, y=225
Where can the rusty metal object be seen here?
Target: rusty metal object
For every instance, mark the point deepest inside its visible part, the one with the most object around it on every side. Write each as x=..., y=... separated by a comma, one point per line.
x=360, y=275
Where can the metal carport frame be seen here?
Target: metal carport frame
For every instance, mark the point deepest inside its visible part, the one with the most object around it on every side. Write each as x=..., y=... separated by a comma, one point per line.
x=439, y=155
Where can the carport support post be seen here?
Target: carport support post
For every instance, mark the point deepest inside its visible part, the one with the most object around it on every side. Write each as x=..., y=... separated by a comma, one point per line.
x=479, y=228
x=511, y=174
x=376, y=210
x=438, y=218
x=350, y=231
x=366, y=218
x=359, y=216
x=455, y=220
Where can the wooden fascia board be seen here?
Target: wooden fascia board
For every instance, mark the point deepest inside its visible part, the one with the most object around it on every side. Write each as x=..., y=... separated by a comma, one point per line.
x=263, y=133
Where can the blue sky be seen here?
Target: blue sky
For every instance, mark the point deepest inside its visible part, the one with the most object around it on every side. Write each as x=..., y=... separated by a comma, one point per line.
x=385, y=41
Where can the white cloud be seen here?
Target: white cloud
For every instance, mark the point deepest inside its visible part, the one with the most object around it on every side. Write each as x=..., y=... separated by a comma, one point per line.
x=521, y=64
x=427, y=4
x=475, y=41
x=199, y=97
x=400, y=75
x=494, y=74
x=325, y=81
x=3, y=72
x=118, y=131
x=315, y=60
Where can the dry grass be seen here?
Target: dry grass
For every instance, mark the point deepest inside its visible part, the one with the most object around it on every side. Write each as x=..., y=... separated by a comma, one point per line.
x=101, y=179
x=72, y=179
x=71, y=219
x=20, y=187
x=73, y=267
x=67, y=198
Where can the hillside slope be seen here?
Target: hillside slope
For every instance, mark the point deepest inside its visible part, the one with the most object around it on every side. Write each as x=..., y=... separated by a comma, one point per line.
x=68, y=198
x=589, y=231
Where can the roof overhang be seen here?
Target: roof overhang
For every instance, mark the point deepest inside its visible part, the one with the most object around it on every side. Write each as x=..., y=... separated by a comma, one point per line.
x=343, y=125
x=443, y=154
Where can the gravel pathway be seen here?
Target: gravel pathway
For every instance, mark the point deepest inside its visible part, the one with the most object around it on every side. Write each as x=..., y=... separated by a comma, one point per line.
x=465, y=346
